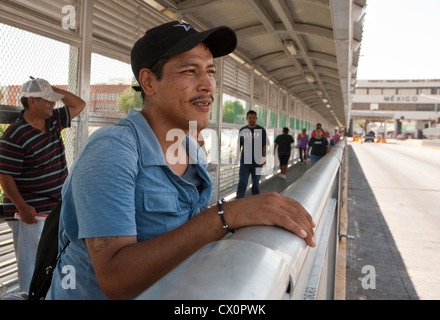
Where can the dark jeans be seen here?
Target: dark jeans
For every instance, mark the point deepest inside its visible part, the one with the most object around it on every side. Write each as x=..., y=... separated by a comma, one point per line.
x=314, y=159
x=302, y=154
x=245, y=171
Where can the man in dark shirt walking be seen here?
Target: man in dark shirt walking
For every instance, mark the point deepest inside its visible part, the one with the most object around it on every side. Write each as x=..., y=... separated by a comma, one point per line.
x=253, y=143
x=283, y=143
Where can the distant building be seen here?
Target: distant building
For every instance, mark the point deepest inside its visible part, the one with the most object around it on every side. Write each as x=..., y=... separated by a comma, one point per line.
x=103, y=97
x=410, y=105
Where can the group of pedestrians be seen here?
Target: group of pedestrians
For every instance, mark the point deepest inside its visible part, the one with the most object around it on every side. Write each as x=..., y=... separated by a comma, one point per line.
x=253, y=144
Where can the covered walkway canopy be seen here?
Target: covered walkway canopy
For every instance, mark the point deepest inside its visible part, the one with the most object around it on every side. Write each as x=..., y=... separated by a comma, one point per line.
x=308, y=48
x=295, y=63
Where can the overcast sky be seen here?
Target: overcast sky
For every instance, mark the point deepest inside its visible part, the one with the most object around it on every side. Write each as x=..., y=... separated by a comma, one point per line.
x=401, y=40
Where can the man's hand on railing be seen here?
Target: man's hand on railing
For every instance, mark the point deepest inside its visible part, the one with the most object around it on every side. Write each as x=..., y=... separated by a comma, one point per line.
x=271, y=209
x=152, y=259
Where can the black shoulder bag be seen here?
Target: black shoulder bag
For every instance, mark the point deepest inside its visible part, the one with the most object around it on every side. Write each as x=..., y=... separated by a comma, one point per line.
x=47, y=256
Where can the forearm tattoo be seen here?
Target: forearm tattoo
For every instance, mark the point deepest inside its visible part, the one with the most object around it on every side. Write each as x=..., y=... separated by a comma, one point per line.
x=95, y=245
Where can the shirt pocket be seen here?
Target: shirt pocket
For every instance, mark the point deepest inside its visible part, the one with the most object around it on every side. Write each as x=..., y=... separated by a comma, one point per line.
x=160, y=212
x=160, y=201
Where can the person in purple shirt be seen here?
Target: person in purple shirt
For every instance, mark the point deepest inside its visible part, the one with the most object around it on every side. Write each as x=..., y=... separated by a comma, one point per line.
x=303, y=142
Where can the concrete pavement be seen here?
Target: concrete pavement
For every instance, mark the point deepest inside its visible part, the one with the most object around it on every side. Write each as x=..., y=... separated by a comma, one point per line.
x=370, y=246
x=374, y=267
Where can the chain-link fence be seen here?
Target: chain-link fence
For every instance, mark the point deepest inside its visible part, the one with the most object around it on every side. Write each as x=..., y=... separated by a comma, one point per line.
x=25, y=54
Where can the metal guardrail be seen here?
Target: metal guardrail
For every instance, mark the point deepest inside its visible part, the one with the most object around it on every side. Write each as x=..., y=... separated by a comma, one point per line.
x=8, y=264
x=9, y=113
x=266, y=263
x=434, y=143
x=255, y=262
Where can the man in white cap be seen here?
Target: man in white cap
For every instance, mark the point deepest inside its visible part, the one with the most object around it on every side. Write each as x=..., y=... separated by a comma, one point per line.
x=33, y=167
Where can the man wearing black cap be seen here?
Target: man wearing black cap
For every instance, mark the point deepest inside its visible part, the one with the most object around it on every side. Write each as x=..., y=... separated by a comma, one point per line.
x=129, y=227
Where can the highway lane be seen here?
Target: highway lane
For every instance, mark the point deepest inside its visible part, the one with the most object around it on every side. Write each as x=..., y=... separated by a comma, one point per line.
x=405, y=180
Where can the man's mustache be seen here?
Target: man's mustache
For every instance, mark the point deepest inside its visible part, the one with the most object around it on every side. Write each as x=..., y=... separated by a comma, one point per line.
x=202, y=97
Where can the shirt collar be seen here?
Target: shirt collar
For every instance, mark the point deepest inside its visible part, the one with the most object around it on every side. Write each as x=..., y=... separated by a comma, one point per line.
x=150, y=149
x=148, y=145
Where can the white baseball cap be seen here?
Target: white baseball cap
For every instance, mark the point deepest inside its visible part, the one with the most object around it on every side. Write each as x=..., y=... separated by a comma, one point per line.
x=40, y=88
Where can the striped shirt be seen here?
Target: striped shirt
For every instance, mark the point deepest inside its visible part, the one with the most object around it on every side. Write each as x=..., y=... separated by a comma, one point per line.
x=36, y=160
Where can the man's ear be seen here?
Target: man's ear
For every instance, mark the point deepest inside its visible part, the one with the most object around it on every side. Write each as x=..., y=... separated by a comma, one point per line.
x=147, y=81
x=31, y=100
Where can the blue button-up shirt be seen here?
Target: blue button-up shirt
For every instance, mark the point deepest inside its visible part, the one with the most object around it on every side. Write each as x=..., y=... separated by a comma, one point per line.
x=121, y=185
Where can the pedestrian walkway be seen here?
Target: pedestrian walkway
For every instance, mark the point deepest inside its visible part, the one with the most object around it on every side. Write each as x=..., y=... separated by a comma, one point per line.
x=374, y=269
x=277, y=184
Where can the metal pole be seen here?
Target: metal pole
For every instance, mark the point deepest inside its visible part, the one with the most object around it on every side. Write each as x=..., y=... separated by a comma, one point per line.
x=85, y=61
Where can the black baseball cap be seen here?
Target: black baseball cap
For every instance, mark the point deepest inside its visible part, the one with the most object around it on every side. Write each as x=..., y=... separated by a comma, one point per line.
x=176, y=37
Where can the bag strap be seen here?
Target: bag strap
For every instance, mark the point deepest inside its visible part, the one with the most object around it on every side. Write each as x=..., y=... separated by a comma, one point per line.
x=50, y=269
